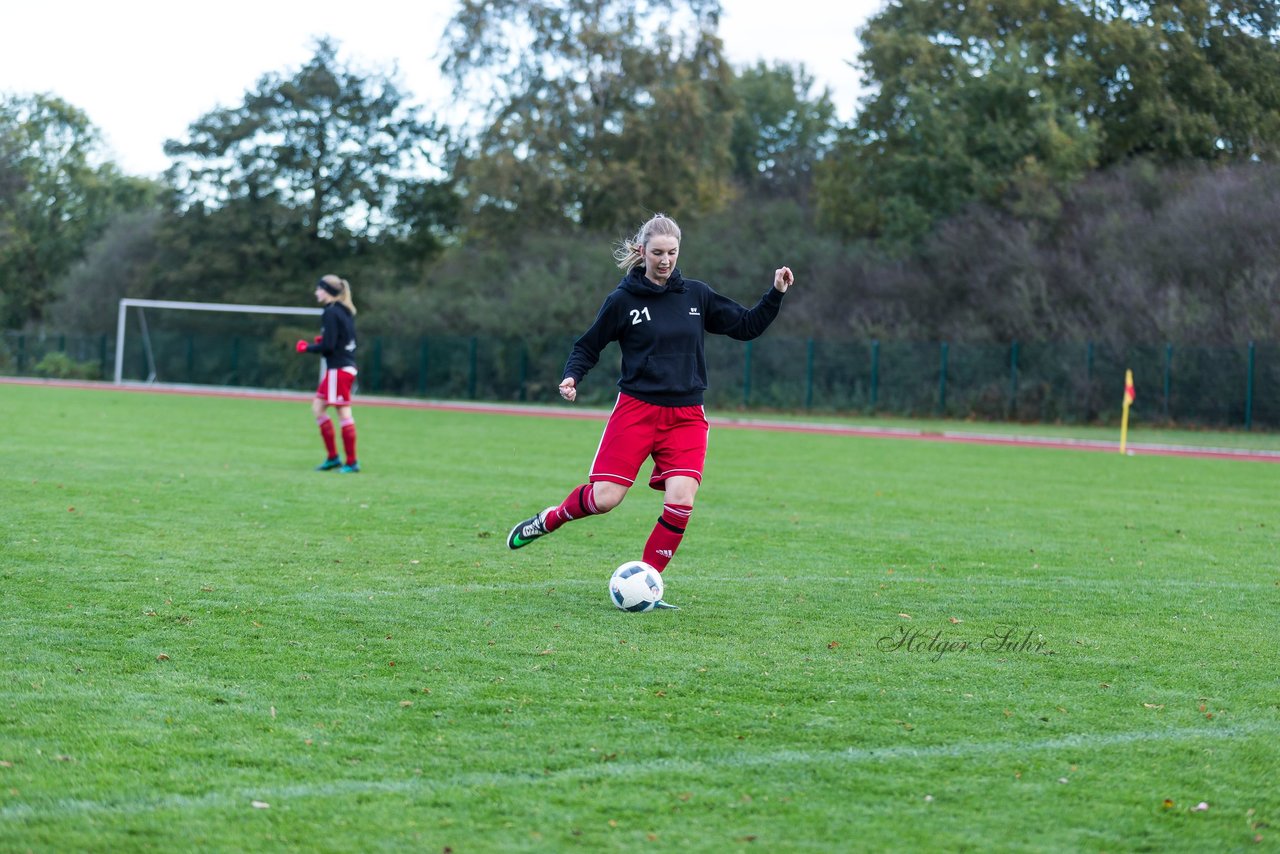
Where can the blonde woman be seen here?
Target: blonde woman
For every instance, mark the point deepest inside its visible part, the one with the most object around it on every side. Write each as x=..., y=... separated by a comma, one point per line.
x=659, y=319
x=337, y=344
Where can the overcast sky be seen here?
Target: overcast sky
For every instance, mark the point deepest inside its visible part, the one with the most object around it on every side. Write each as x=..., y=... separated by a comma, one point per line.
x=143, y=70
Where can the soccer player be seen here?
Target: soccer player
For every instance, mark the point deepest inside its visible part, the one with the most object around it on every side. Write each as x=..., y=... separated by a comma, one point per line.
x=659, y=319
x=337, y=343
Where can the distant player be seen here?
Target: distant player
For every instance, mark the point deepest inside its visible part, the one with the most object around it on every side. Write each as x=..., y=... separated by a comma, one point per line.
x=337, y=343
x=659, y=319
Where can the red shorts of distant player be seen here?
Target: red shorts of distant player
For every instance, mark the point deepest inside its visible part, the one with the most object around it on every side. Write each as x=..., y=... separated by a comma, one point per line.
x=335, y=386
x=675, y=436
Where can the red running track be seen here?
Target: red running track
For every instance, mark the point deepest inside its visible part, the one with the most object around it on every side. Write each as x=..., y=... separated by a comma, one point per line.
x=958, y=436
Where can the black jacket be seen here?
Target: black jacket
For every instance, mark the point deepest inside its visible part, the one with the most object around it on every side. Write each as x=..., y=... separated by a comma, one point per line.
x=338, y=341
x=660, y=331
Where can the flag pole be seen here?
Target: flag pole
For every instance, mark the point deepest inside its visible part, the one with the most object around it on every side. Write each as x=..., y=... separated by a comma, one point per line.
x=1124, y=417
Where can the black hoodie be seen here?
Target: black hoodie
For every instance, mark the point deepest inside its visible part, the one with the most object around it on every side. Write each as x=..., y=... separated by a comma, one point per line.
x=338, y=342
x=660, y=331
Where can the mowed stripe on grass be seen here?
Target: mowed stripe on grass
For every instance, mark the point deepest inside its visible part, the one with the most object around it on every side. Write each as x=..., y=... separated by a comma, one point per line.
x=970, y=436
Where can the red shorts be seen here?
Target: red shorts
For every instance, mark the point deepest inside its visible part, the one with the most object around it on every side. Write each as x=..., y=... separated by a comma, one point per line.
x=335, y=386
x=675, y=436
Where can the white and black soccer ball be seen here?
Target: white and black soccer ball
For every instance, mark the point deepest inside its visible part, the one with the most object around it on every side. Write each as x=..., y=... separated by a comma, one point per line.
x=635, y=586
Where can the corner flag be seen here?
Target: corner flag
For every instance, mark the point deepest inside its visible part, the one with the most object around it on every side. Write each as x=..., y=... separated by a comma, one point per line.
x=1128, y=401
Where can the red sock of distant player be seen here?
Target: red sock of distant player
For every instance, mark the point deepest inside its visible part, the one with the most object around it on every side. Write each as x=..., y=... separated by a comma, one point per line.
x=326, y=433
x=666, y=536
x=349, y=439
x=579, y=503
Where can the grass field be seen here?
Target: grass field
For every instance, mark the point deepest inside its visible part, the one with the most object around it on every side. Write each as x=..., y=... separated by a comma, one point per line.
x=882, y=645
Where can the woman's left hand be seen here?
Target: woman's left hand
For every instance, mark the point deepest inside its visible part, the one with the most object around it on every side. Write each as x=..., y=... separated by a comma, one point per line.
x=783, y=279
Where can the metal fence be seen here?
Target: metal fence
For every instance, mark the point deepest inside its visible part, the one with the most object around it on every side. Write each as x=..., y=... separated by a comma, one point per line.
x=1223, y=387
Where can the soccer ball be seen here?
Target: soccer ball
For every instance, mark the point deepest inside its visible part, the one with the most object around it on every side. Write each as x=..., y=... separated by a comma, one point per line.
x=635, y=586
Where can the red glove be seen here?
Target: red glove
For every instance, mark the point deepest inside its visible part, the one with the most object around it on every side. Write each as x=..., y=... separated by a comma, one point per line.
x=319, y=339
x=301, y=346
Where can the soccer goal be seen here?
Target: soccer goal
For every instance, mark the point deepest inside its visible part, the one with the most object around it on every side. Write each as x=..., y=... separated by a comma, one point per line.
x=241, y=345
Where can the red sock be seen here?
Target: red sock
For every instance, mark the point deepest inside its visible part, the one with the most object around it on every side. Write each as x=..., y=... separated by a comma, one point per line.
x=326, y=433
x=349, y=439
x=666, y=536
x=579, y=503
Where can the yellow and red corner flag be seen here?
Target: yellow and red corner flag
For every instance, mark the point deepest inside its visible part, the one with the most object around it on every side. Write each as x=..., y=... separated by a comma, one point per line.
x=1128, y=401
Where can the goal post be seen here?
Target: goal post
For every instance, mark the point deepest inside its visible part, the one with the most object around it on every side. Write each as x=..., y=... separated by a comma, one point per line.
x=143, y=304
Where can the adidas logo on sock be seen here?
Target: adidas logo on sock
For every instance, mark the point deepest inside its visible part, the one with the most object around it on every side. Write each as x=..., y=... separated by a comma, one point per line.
x=666, y=553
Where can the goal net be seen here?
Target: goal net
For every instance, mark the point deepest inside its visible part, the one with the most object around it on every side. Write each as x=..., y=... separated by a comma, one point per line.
x=205, y=343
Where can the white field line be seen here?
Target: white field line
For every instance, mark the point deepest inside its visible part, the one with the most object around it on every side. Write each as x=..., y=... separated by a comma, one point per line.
x=693, y=578
x=275, y=796
x=1136, y=585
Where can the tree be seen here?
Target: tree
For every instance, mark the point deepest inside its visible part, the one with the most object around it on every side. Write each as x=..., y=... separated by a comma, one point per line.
x=320, y=160
x=1013, y=101
x=1179, y=81
x=602, y=111
x=968, y=106
x=56, y=195
x=1141, y=254
x=120, y=263
x=780, y=129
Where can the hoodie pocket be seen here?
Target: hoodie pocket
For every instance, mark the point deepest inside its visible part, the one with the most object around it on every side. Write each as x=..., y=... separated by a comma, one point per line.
x=670, y=372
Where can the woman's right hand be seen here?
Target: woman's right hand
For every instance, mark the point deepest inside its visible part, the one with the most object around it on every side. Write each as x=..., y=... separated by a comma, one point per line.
x=568, y=389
